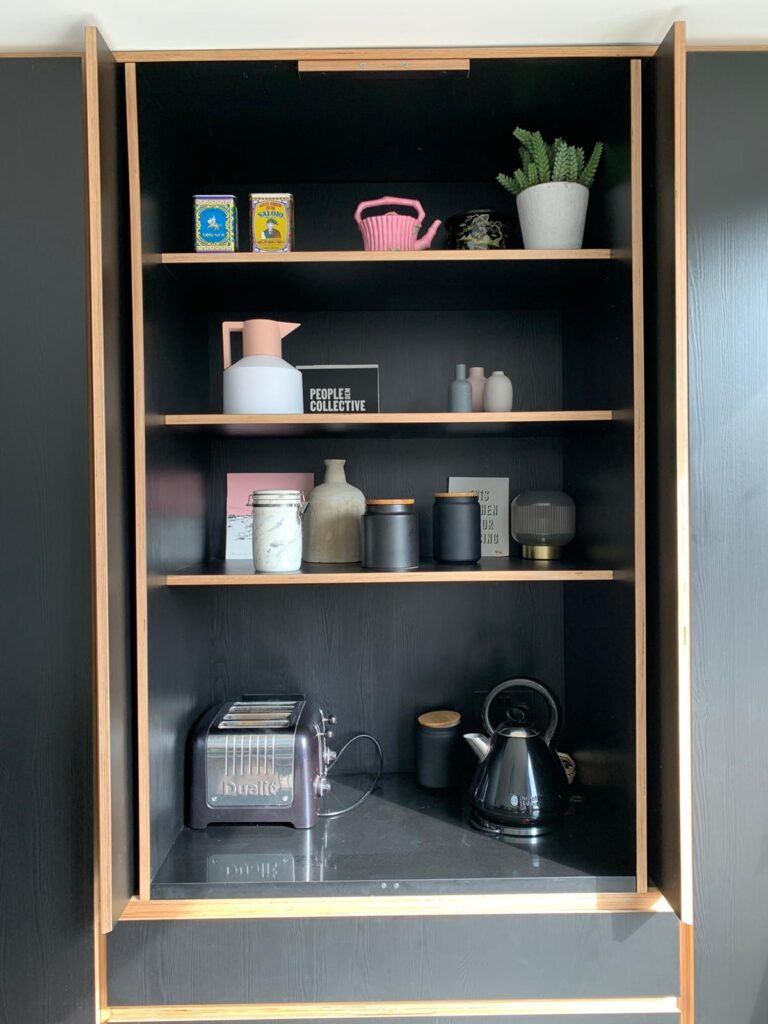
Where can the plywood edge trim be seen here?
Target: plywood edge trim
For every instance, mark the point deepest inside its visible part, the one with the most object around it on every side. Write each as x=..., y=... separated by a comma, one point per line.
x=354, y=1011
x=98, y=488
x=41, y=54
x=685, y=706
x=372, y=577
x=390, y=64
x=393, y=256
x=727, y=48
x=638, y=387
x=384, y=53
x=651, y=902
x=139, y=476
x=393, y=418
x=687, y=1000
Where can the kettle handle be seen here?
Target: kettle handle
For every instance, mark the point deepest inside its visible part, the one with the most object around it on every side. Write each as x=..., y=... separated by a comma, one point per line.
x=226, y=330
x=528, y=684
x=390, y=201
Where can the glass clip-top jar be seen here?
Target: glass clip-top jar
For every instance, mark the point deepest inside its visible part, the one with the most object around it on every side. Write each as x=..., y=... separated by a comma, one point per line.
x=276, y=531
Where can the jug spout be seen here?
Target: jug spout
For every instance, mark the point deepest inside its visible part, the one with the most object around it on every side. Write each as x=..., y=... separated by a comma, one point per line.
x=426, y=240
x=286, y=329
x=479, y=743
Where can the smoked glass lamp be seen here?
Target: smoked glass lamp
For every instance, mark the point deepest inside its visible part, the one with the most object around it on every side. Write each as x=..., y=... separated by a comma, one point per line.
x=543, y=522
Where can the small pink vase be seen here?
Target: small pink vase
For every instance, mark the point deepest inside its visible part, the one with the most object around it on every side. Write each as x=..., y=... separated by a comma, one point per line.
x=477, y=383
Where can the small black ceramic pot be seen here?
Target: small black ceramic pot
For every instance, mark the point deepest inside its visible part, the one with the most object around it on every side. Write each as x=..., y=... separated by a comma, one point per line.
x=390, y=535
x=456, y=527
x=480, y=229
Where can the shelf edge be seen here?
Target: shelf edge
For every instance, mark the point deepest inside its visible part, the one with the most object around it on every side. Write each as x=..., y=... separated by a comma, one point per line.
x=417, y=256
x=651, y=902
x=374, y=577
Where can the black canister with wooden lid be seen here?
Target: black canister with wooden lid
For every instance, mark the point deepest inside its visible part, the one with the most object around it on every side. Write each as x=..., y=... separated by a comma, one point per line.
x=456, y=527
x=390, y=534
x=437, y=749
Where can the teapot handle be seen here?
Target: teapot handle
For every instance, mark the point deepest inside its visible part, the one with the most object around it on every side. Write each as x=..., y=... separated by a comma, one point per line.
x=528, y=684
x=391, y=201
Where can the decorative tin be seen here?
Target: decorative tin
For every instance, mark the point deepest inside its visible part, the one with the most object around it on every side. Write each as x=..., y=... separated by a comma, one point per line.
x=215, y=223
x=271, y=222
x=480, y=229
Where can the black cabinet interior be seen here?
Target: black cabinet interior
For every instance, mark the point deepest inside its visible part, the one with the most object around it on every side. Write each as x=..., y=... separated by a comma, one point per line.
x=242, y=127
x=380, y=655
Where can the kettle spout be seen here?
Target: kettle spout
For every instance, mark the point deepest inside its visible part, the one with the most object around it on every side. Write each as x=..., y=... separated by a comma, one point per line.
x=479, y=743
x=426, y=240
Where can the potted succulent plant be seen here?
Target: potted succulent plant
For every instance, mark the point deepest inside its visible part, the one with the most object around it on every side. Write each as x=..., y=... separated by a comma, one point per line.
x=552, y=190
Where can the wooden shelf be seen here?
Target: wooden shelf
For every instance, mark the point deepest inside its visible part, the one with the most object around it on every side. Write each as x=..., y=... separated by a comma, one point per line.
x=387, y=424
x=240, y=573
x=417, y=256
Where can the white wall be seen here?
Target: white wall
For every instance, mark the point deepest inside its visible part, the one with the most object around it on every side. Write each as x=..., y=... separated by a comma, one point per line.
x=182, y=24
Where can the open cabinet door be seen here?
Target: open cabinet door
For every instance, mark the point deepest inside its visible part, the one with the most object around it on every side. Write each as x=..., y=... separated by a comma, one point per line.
x=669, y=674
x=111, y=455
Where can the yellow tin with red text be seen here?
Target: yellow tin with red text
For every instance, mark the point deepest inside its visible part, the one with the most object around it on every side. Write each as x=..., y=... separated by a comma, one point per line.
x=271, y=222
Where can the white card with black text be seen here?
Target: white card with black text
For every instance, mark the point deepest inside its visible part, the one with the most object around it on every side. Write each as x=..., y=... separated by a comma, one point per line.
x=493, y=492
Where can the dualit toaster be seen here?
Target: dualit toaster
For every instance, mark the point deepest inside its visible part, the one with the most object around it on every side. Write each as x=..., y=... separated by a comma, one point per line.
x=260, y=759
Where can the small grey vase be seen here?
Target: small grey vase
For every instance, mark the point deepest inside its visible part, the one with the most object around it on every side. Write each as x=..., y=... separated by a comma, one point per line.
x=460, y=392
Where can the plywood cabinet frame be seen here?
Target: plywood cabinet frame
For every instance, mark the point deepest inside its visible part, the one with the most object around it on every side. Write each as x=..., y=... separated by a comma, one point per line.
x=141, y=907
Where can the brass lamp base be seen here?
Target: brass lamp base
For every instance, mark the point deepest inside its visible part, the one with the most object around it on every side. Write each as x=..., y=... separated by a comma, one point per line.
x=541, y=551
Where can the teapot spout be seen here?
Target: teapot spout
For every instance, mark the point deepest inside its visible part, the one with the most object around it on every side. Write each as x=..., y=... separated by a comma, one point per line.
x=479, y=743
x=426, y=240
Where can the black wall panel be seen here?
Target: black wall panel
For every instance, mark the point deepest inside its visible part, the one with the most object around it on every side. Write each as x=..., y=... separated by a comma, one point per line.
x=728, y=376
x=46, y=923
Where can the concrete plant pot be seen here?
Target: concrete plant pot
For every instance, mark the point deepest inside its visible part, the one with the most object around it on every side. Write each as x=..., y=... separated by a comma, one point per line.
x=552, y=215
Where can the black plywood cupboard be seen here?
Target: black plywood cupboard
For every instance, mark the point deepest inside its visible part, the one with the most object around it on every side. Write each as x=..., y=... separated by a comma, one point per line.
x=399, y=911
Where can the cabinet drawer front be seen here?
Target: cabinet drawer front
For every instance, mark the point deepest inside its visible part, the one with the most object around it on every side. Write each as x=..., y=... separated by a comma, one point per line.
x=574, y=956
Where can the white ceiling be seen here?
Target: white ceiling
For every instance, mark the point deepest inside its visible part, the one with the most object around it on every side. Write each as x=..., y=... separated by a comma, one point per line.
x=204, y=24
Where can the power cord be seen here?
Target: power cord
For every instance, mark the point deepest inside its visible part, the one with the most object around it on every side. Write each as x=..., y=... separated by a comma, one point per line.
x=373, y=785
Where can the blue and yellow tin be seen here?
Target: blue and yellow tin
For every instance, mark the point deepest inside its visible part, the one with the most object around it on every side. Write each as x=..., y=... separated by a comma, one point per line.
x=215, y=223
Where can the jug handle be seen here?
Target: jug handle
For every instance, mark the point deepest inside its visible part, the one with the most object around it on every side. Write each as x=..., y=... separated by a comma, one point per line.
x=226, y=330
x=391, y=201
x=528, y=684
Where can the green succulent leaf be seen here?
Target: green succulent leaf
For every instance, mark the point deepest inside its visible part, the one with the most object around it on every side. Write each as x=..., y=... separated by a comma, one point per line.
x=542, y=162
x=587, y=176
x=560, y=163
x=541, y=157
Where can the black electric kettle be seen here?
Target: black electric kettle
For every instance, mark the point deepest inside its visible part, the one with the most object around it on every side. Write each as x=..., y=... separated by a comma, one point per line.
x=520, y=786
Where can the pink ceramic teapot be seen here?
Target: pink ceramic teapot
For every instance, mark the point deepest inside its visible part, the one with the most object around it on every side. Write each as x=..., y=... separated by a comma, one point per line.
x=394, y=231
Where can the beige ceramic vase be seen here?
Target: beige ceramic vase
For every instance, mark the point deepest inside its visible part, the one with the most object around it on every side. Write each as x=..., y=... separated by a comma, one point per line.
x=332, y=519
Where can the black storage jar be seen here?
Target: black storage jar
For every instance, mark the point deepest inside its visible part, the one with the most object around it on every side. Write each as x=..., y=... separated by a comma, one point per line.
x=437, y=749
x=456, y=527
x=390, y=534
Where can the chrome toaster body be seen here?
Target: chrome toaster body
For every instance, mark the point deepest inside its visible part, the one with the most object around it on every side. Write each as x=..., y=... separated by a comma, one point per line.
x=260, y=759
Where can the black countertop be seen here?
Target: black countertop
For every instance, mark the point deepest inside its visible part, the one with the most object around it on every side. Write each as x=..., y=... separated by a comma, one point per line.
x=403, y=840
